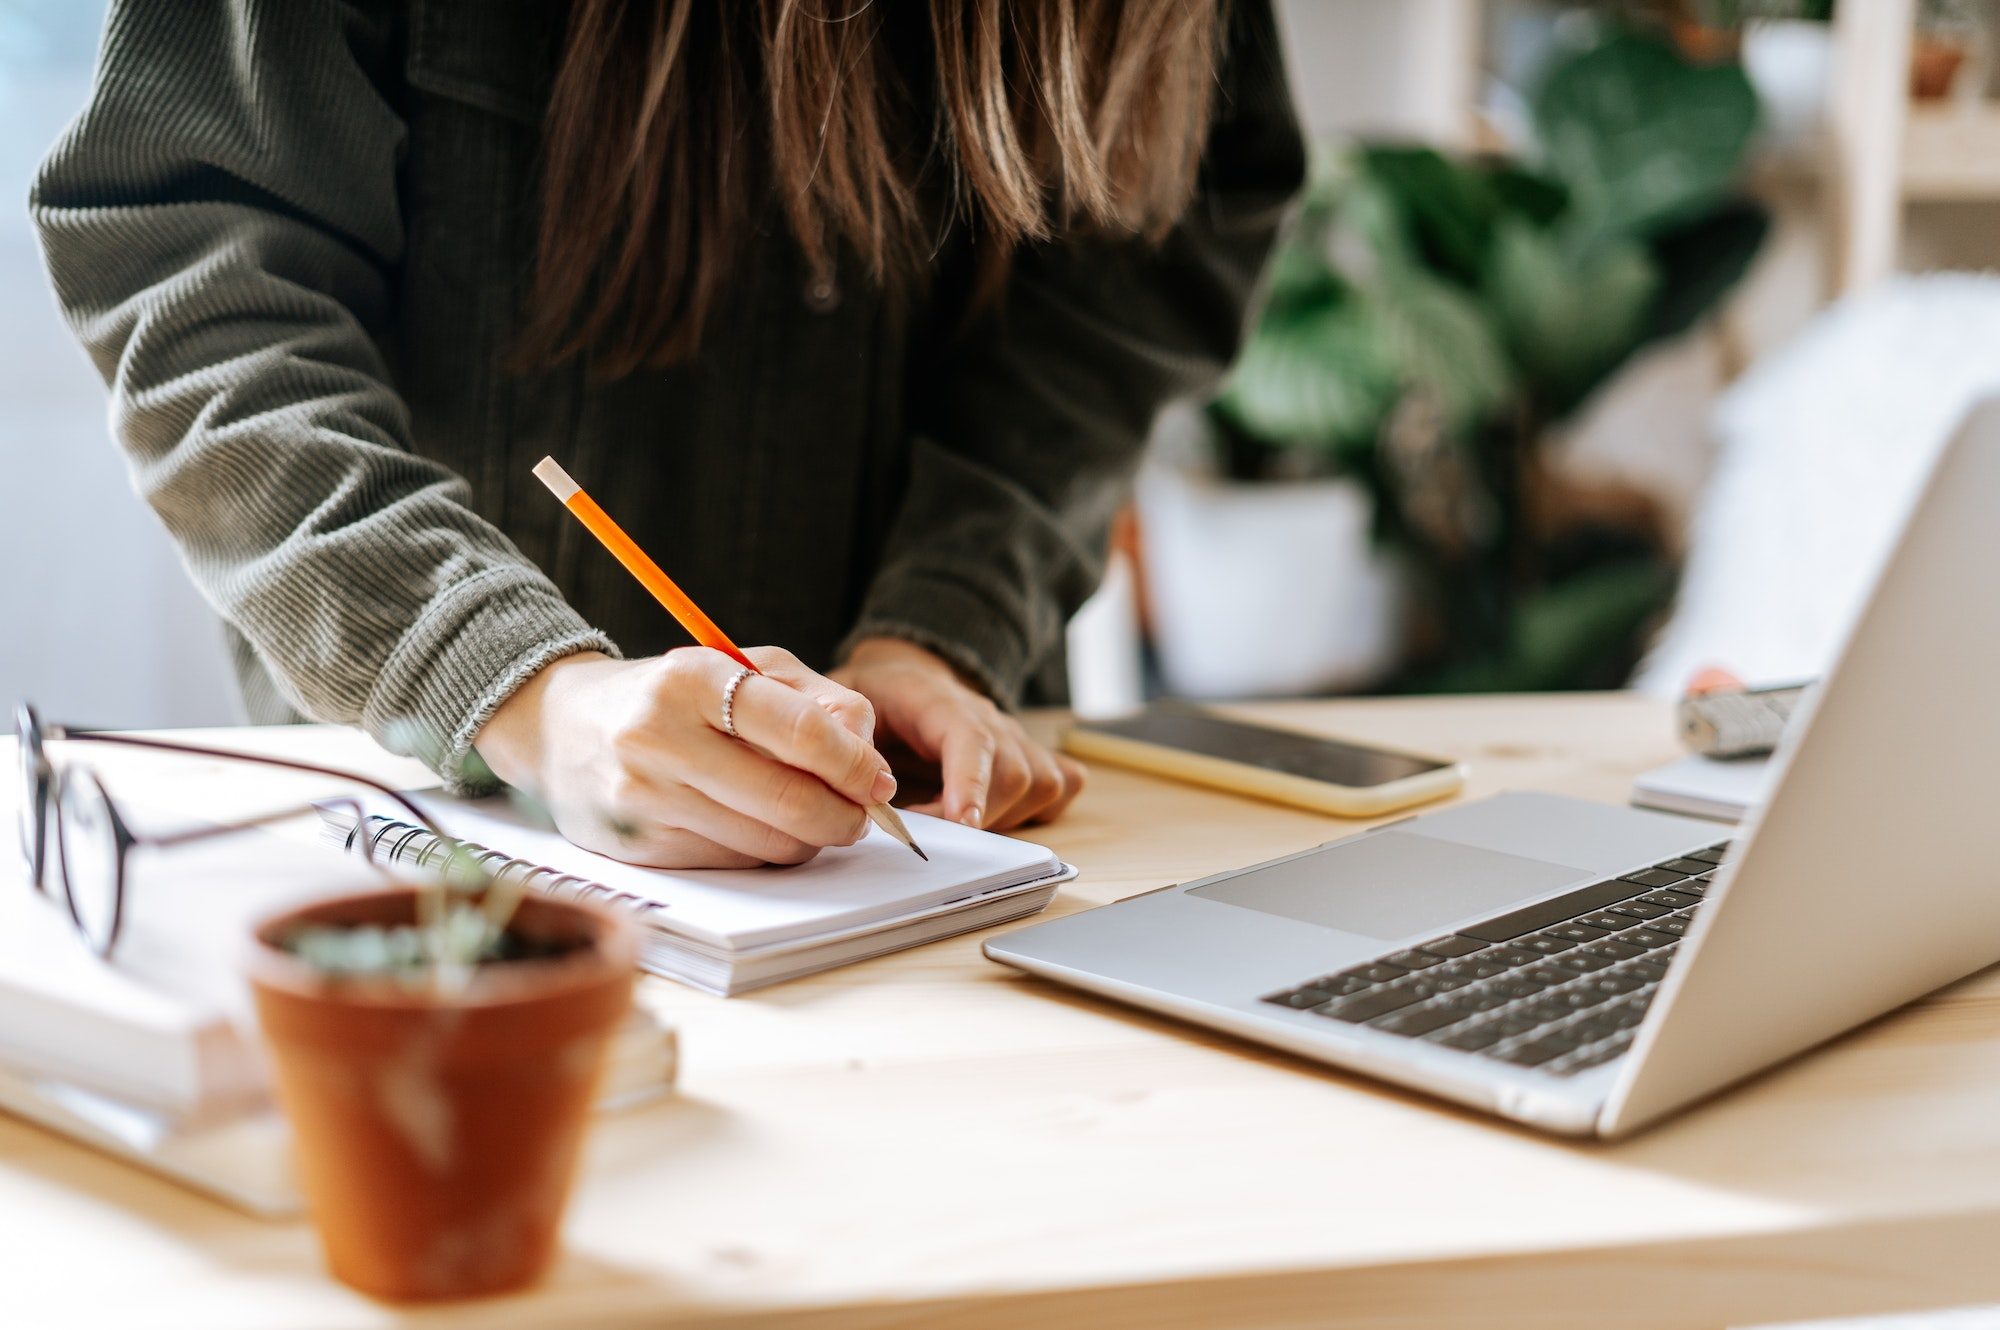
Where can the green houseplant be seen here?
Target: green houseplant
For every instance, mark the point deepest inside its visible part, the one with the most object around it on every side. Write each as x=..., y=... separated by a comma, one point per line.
x=1430, y=318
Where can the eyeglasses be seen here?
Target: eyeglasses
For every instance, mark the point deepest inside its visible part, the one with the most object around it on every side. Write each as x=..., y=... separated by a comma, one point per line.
x=71, y=829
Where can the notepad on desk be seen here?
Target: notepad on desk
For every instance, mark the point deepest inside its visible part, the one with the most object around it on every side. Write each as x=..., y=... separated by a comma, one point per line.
x=1724, y=790
x=727, y=931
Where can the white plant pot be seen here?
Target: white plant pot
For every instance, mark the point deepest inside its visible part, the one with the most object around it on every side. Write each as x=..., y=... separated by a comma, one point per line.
x=1266, y=589
x=1790, y=63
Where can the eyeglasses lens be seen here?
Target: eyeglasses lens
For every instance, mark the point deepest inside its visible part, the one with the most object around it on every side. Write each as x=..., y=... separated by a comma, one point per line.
x=87, y=837
x=29, y=793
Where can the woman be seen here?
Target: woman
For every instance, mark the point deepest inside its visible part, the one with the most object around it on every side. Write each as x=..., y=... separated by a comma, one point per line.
x=855, y=314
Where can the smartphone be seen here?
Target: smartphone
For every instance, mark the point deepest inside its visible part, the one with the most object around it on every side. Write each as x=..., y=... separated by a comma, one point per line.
x=1324, y=775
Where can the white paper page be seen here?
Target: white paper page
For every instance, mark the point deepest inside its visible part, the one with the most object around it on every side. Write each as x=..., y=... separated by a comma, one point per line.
x=735, y=908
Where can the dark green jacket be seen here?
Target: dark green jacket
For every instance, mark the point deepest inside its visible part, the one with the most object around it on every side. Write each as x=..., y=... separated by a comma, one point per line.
x=294, y=234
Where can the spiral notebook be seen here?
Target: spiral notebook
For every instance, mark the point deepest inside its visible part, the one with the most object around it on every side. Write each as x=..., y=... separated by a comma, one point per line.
x=727, y=931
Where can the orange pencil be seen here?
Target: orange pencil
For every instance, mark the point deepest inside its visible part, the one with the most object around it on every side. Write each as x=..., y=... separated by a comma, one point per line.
x=676, y=602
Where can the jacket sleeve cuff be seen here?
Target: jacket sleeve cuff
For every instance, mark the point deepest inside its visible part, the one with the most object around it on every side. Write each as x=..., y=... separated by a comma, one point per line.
x=471, y=649
x=967, y=625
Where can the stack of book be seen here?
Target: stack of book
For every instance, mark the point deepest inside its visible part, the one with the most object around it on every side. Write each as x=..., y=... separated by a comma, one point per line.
x=154, y=1057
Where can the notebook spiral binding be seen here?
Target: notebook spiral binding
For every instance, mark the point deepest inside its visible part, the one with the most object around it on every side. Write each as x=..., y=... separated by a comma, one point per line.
x=406, y=845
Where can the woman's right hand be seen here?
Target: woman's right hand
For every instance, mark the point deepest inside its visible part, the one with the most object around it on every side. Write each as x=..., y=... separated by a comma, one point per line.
x=632, y=761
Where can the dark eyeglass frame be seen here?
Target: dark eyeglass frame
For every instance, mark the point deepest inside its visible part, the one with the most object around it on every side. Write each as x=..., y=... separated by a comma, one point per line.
x=41, y=790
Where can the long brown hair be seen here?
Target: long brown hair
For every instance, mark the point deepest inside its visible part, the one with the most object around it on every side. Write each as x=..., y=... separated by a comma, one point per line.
x=668, y=118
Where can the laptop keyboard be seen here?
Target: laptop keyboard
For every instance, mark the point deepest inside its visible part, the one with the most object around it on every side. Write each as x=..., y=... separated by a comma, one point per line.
x=1560, y=985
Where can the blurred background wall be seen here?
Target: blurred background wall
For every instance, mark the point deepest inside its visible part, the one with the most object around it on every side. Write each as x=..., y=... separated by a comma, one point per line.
x=103, y=627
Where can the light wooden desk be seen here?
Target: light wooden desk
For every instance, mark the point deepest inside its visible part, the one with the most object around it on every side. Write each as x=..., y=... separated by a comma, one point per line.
x=931, y=1140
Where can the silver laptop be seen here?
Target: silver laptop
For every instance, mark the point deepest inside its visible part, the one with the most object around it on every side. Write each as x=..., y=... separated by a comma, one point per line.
x=1588, y=969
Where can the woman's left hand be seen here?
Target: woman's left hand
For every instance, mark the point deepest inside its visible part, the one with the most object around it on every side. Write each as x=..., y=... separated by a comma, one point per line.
x=947, y=740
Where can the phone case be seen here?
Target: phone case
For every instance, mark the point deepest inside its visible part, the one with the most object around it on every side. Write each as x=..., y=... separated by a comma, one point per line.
x=1221, y=773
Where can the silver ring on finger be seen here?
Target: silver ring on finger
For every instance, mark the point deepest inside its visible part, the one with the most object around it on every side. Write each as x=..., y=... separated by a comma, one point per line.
x=729, y=700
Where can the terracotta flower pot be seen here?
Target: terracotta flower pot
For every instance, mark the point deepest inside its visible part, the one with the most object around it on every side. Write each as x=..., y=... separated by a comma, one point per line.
x=1707, y=44
x=437, y=1136
x=1934, y=65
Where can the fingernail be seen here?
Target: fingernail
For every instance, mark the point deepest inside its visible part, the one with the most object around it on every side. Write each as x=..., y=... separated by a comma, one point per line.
x=883, y=789
x=973, y=816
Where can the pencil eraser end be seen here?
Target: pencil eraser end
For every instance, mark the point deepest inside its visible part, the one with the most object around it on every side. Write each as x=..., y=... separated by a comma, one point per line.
x=550, y=473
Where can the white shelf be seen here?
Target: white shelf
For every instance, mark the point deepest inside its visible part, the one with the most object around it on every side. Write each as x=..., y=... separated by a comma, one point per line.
x=1952, y=152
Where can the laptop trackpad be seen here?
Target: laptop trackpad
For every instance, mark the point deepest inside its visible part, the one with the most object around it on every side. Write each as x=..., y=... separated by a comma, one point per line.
x=1391, y=885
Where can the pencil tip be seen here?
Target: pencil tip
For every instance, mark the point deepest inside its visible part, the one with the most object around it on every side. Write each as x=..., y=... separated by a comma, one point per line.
x=920, y=852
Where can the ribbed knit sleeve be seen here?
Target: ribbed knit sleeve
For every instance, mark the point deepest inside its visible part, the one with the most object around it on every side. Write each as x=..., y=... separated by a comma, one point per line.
x=221, y=223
